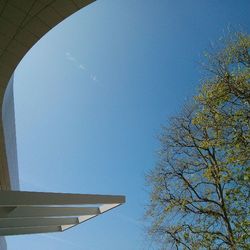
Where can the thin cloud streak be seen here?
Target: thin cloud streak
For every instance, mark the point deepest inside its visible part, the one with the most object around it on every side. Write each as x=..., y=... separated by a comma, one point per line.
x=80, y=66
x=70, y=57
x=93, y=77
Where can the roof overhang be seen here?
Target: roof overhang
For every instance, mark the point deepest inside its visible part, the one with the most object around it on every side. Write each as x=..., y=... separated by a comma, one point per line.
x=39, y=212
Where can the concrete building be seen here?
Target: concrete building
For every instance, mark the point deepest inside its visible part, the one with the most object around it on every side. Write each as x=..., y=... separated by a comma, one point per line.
x=22, y=24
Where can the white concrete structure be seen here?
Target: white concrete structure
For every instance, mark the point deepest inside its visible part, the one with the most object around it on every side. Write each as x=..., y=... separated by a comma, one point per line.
x=22, y=24
x=36, y=212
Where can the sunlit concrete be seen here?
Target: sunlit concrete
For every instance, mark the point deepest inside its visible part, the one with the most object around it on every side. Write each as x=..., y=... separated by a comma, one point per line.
x=19, y=213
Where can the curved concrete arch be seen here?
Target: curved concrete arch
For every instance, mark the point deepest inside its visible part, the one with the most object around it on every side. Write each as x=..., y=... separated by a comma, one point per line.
x=22, y=24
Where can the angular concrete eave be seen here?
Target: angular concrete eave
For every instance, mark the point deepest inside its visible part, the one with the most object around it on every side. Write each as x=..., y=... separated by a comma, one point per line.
x=38, y=212
x=22, y=24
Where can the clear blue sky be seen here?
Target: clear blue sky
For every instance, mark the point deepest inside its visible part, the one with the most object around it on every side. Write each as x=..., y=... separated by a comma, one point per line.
x=91, y=97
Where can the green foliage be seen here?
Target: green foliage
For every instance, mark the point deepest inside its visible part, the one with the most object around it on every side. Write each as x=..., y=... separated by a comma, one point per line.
x=200, y=188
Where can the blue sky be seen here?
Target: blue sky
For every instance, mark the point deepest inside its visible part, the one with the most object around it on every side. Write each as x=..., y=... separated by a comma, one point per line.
x=91, y=97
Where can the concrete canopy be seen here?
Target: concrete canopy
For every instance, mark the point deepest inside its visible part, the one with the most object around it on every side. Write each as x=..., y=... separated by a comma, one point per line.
x=37, y=212
x=22, y=24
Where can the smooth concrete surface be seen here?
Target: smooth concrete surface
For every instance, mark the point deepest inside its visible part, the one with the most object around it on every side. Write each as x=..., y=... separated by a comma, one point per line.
x=23, y=212
x=9, y=127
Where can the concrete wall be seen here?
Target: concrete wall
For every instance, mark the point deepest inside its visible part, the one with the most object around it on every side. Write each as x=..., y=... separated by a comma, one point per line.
x=9, y=127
